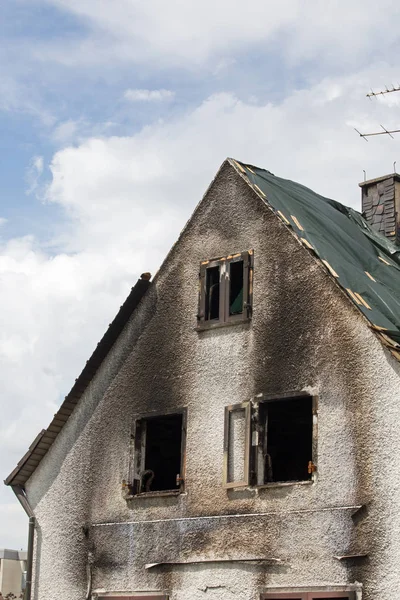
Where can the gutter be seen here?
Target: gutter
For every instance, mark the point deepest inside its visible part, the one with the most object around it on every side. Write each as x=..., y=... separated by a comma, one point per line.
x=19, y=491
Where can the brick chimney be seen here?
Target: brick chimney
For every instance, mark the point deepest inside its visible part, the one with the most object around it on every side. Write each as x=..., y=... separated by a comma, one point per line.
x=380, y=201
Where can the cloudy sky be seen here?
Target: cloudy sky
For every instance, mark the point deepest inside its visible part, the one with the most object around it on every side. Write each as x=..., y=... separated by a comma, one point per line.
x=114, y=117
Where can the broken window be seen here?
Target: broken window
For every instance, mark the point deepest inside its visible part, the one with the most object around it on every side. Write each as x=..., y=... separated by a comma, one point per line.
x=212, y=293
x=225, y=290
x=159, y=445
x=285, y=440
x=269, y=441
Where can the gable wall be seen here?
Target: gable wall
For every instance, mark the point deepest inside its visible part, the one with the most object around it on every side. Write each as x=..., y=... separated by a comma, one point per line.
x=304, y=335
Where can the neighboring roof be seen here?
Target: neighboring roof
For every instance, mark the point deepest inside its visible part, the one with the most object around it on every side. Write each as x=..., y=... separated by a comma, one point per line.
x=7, y=554
x=363, y=262
x=46, y=437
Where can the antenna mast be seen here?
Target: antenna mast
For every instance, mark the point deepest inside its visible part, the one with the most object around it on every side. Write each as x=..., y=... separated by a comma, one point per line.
x=385, y=131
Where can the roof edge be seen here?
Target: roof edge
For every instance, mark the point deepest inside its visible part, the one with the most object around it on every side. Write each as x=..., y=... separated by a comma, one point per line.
x=395, y=176
x=45, y=439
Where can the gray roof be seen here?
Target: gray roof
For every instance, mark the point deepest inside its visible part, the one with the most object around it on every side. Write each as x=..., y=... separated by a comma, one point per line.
x=6, y=553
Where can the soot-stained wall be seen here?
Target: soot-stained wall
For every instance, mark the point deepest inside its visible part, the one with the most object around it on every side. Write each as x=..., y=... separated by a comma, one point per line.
x=304, y=335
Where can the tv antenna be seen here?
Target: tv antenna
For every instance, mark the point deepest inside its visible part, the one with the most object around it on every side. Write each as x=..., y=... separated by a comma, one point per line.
x=373, y=94
x=384, y=131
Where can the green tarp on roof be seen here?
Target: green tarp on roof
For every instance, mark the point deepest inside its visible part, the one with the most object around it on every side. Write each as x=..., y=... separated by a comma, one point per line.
x=340, y=236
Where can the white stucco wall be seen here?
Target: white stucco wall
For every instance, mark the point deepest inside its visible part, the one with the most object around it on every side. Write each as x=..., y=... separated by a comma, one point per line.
x=11, y=576
x=304, y=334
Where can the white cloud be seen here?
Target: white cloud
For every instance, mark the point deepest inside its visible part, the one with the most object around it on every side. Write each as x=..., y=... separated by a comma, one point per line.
x=148, y=95
x=15, y=96
x=34, y=173
x=3, y=221
x=125, y=200
x=194, y=33
x=66, y=132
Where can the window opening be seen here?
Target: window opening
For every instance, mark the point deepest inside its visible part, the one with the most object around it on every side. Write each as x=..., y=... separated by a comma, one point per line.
x=158, y=459
x=212, y=293
x=287, y=441
x=225, y=290
x=236, y=279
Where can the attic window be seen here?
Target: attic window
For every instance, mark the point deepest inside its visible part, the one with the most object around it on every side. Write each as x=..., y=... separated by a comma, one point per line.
x=270, y=441
x=225, y=290
x=158, y=461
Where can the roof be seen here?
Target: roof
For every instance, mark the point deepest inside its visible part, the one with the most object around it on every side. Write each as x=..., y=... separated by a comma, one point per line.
x=364, y=263
x=46, y=437
x=6, y=553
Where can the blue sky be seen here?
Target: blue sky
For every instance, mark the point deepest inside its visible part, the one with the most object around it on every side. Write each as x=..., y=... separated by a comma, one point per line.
x=114, y=118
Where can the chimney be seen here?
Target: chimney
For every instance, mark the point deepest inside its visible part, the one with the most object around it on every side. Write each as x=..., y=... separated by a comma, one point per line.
x=380, y=201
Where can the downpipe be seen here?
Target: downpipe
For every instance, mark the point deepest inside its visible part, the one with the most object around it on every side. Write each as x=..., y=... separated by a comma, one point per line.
x=20, y=494
x=29, y=561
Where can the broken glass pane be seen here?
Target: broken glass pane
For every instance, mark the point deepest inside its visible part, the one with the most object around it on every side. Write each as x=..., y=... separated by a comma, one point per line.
x=212, y=294
x=236, y=288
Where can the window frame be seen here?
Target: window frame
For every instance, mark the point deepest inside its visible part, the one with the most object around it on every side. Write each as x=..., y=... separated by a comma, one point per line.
x=138, y=453
x=253, y=441
x=246, y=406
x=224, y=278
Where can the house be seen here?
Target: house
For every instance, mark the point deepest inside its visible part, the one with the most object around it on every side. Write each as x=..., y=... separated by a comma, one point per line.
x=12, y=572
x=235, y=434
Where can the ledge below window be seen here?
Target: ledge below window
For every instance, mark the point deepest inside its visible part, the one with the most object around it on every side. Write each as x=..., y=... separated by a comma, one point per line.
x=275, y=484
x=160, y=494
x=205, y=326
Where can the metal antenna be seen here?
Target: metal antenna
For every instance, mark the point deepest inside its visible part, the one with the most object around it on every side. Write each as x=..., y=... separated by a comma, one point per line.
x=365, y=174
x=384, y=132
x=373, y=94
x=394, y=167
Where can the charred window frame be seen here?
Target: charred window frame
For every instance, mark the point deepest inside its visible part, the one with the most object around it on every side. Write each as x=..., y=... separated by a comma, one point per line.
x=225, y=290
x=237, y=445
x=132, y=596
x=271, y=441
x=328, y=595
x=158, y=454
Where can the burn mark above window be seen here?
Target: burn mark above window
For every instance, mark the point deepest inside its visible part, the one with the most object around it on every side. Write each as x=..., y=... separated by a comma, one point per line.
x=158, y=454
x=225, y=290
x=270, y=441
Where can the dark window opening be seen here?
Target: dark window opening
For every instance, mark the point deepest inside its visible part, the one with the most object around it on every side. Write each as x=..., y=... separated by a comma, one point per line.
x=236, y=279
x=212, y=293
x=159, y=444
x=287, y=441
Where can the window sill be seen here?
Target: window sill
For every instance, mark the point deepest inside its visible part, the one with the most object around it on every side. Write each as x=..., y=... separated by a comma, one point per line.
x=278, y=484
x=160, y=494
x=218, y=325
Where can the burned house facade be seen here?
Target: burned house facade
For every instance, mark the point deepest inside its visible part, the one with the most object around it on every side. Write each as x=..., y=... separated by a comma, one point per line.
x=235, y=433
